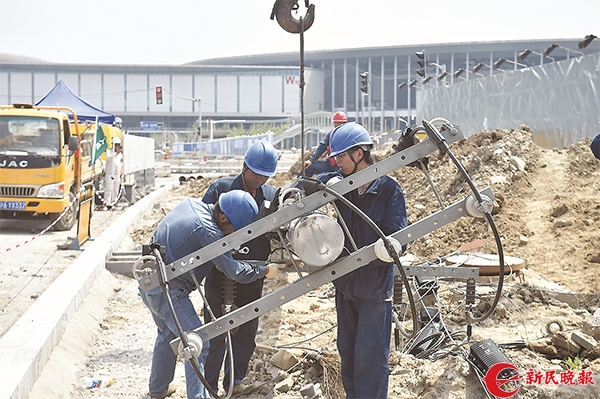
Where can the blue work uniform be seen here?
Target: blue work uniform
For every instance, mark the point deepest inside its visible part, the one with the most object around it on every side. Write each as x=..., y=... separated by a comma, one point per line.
x=327, y=165
x=187, y=228
x=363, y=296
x=242, y=339
x=595, y=146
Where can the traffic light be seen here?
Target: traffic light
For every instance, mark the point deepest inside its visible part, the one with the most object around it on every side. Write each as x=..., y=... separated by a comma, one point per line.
x=159, y=95
x=422, y=61
x=364, y=82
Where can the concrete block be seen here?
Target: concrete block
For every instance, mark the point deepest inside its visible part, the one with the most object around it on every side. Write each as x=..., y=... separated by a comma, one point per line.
x=550, y=289
x=284, y=359
x=275, y=372
x=592, y=327
x=584, y=340
x=563, y=340
x=285, y=385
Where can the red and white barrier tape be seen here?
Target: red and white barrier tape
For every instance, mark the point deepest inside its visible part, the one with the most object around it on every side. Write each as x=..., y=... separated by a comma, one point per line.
x=101, y=198
x=46, y=229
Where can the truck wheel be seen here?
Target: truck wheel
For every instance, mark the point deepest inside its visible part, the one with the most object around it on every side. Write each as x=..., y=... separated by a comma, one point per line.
x=69, y=218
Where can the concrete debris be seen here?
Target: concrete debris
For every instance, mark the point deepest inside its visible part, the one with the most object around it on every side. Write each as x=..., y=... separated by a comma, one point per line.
x=563, y=340
x=562, y=223
x=284, y=359
x=544, y=348
x=310, y=391
x=592, y=327
x=584, y=340
x=285, y=385
x=550, y=290
x=519, y=163
x=559, y=211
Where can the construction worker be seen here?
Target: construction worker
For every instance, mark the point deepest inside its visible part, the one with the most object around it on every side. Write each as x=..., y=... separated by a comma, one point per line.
x=364, y=296
x=191, y=225
x=312, y=166
x=112, y=172
x=260, y=163
x=595, y=146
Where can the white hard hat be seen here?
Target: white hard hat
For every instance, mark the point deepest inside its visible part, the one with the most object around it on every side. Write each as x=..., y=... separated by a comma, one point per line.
x=116, y=140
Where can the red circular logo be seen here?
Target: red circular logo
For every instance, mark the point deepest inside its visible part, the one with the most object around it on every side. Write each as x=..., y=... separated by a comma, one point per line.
x=494, y=383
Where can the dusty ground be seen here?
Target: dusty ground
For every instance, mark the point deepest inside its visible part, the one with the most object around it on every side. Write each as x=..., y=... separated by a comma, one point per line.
x=547, y=213
x=35, y=260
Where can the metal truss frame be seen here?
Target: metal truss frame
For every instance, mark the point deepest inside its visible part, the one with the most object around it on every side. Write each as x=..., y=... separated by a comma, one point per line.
x=302, y=207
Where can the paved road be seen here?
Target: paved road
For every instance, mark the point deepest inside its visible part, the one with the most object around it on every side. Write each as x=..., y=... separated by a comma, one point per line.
x=34, y=262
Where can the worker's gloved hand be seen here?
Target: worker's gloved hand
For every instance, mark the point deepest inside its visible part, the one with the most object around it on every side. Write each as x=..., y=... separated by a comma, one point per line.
x=267, y=207
x=273, y=269
x=274, y=205
x=407, y=139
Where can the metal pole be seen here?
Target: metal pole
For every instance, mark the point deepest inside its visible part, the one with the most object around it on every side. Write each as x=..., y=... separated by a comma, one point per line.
x=199, y=99
x=362, y=112
x=302, y=85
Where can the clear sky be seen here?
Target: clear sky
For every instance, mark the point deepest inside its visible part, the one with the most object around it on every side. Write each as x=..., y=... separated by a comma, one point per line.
x=181, y=31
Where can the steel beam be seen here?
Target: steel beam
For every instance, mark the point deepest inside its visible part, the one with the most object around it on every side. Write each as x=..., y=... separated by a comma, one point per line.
x=344, y=266
x=299, y=208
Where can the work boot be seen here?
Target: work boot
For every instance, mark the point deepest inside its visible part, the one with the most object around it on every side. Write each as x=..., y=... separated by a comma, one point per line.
x=246, y=386
x=170, y=390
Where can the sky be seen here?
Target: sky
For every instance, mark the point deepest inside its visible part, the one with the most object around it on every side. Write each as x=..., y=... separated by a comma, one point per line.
x=174, y=32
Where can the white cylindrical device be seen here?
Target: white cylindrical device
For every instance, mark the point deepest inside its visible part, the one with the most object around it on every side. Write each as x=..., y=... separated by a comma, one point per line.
x=316, y=238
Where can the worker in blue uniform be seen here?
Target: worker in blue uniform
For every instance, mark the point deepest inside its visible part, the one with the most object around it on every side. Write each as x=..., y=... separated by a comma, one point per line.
x=595, y=146
x=312, y=166
x=364, y=296
x=191, y=225
x=222, y=294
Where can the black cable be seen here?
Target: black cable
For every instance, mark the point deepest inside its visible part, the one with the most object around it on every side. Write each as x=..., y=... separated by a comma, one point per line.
x=290, y=345
x=227, y=337
x=442, y=145
x=388, y=245
x=164, y=286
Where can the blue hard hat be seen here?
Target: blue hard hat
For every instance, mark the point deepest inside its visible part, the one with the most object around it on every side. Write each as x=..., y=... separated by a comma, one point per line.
x=261, y=158
x=239, y=207
x=346, y=136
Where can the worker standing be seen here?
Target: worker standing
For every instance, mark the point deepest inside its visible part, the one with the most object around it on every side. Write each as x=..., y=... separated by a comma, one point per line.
x=192, y=225
x=364, y=296
x=595, y=146
x=312, y=165
x=260, y=163
x=112, y=172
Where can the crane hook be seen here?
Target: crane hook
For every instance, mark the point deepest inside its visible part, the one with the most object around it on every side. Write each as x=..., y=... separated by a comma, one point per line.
x=282, y=9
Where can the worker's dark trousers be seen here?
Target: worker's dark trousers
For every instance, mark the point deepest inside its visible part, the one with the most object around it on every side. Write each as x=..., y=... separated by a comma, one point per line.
x=364, y=331
x=243, y=340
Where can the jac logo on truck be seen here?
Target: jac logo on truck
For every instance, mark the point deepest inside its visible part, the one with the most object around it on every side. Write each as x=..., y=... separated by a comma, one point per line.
x=5, y=163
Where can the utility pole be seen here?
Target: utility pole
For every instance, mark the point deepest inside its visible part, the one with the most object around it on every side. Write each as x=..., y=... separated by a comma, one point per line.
x=199, y=101
x=195, y=100
x=364, y=88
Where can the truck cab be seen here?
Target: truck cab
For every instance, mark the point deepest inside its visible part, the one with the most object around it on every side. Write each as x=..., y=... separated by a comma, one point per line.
x=44, y=163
